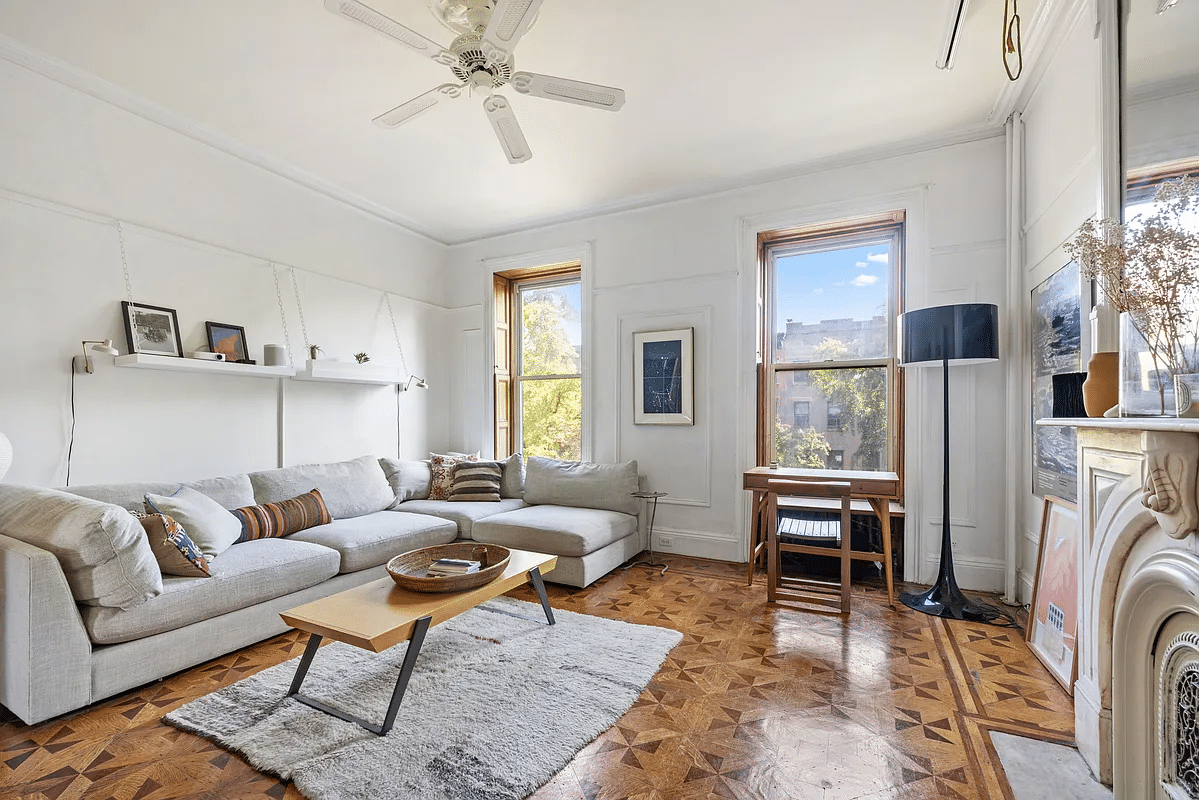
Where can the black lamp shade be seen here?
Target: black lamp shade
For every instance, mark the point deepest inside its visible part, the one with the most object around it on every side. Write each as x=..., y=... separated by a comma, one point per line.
x=968, y=332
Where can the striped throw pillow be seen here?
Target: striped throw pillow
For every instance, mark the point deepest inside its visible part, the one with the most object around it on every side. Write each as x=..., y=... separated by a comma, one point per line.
x=477, y=482
x=286, y=517
x=441, y=466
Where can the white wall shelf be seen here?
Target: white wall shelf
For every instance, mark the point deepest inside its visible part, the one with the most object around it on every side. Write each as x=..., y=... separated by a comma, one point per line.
x=346, y=372
x=146, y=361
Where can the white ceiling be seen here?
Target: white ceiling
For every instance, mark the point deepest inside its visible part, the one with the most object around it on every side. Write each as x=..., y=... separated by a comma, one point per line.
x=716, y=89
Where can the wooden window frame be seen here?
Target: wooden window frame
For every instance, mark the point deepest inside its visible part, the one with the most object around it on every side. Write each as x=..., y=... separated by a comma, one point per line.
x=507, y=422
x=824, y=236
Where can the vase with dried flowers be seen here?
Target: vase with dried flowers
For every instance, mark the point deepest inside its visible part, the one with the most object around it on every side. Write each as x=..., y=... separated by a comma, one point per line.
x=1148, y=269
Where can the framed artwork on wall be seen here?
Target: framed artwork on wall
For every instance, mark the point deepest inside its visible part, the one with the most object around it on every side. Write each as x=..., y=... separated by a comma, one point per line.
x=228, y=339
x=151, y=329
x=663, y=377
x=1056, y=349
x=1052, y=632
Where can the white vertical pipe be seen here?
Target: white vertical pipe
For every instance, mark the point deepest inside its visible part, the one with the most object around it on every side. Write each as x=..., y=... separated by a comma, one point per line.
x=1017, y=418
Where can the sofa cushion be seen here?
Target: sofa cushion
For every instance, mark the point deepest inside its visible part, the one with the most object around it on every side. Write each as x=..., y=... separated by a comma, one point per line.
x=271, y=520
x=173, y=549
x=101, y=547
x=513, y=482
x=210, y=525
x=477, y=482
x=463, y=514
x=373, y=539
x=350, y=488
x=241, y=576
x=231, y=491
x=579, y=484
x=557, y=530
x=442, y=466
x=409, y=480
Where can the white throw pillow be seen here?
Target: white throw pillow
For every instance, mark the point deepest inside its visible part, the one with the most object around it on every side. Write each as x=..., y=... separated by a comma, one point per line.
x=212, y=527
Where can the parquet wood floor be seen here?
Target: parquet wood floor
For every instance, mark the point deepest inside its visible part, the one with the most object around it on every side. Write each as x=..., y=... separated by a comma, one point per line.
x=757, y=701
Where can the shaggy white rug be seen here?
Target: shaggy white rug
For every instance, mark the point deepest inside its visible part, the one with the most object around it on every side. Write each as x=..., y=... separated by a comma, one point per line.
x=496, y=706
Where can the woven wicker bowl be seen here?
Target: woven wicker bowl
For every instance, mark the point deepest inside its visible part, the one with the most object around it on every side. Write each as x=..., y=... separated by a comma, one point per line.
x=408, y=569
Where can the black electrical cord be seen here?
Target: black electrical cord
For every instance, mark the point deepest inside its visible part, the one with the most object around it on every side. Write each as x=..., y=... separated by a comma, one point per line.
x=71, y=436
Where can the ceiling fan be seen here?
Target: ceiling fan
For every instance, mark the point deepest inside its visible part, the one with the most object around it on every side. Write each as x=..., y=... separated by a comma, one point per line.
x=481, y=59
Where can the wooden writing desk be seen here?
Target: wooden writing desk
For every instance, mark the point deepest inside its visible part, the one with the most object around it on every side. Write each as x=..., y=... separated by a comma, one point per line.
x=877, y=488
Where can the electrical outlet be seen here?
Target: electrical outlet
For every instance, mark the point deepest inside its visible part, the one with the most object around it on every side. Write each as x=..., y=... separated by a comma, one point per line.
x=665, y=542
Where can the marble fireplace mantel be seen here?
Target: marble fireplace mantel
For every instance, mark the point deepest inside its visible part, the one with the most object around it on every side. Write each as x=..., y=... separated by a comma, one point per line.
x=1139, y=587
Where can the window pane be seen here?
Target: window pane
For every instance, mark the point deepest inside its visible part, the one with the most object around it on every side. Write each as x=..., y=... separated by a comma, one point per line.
x=551, y=336
x=552, y=418
x=836, y=419
x=833, y=304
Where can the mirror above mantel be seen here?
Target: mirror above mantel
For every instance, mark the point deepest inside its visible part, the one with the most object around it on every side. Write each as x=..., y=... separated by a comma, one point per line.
x=1160, y=104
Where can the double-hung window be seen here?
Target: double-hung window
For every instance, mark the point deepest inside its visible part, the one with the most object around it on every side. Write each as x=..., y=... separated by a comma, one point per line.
x=539, y=382
x=830, y=384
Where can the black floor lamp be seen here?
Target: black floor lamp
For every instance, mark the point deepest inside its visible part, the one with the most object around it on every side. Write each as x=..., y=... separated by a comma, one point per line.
x=964, y=334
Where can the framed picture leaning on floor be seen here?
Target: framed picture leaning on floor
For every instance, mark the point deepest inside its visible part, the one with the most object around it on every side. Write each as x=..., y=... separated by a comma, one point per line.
x=1053, y=616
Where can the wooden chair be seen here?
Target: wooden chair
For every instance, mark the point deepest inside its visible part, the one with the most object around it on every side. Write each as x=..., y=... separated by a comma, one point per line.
x=814, y=592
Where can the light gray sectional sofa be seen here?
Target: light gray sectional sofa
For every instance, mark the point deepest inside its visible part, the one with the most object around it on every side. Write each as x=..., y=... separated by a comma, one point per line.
x=86, y=612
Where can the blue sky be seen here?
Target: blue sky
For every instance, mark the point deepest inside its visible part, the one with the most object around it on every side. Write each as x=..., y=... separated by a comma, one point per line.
x=833, y=284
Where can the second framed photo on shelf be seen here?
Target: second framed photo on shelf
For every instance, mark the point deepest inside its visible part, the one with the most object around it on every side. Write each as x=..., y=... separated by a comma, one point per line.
x=152, y=330
x=228, y=339
x=1053, y=616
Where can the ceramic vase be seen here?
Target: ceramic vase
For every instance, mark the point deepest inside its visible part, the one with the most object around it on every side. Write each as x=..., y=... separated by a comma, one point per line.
x=1101, y=389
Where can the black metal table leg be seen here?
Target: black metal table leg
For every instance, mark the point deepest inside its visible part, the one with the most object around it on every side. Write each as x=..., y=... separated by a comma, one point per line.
x=397, y=694
x=314, y=641
x=539, y=585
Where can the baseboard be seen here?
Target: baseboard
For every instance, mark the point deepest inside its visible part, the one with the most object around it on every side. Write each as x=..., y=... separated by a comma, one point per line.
x=979, y=574
x=698, y=544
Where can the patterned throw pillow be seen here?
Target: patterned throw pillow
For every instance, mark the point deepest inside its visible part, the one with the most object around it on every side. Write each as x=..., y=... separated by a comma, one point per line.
x=442, y=467
x=477, y=482
x=173, y=549
x=271, y=520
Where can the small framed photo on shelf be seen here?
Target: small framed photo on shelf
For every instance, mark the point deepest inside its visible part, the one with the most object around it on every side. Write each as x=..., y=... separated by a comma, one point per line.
x=1053, y=616
x=663, y=377
x=152, y=330
x=228, y=339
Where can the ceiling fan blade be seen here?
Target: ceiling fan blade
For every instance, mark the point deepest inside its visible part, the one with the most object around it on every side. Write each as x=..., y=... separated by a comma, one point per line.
x=509, y=21
x=591, y=95
x=365, y=15
x=418, y=105
x=512, y=139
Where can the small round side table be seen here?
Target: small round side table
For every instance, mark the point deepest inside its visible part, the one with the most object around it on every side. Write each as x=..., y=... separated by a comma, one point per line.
x=653, y=512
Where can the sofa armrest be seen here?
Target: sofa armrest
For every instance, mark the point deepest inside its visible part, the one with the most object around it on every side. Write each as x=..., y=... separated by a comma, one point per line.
x=46, y=656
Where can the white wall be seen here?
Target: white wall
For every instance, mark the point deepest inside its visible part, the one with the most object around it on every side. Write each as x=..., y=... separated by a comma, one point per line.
x=1060, y=174
x=690, y=263
x=200, y=226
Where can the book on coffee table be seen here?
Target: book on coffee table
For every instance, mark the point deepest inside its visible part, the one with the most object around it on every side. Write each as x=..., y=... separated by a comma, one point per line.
x=451, y=566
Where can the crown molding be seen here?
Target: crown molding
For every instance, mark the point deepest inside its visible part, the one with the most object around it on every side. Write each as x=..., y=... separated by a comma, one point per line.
x=731, y=185
x=68, y=75
x=1163, y=90
x=1050, y=23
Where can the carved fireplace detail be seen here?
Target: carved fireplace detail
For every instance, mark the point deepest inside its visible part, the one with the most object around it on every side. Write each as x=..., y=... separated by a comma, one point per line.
x=1136, y=700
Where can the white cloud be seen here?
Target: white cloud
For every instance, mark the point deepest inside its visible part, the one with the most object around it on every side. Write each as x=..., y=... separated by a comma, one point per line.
x=865, y=280
x=861, y=265
x=818, y=291
x=881, y=258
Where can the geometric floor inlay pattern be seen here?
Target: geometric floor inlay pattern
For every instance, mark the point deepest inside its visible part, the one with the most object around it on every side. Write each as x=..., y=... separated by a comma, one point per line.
x=757, y=701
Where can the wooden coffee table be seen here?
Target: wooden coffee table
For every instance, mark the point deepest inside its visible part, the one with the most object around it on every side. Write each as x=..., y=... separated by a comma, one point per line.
x=379, y=614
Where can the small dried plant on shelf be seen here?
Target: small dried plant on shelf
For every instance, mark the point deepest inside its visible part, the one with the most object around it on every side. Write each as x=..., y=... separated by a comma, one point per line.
x=1149, y=269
